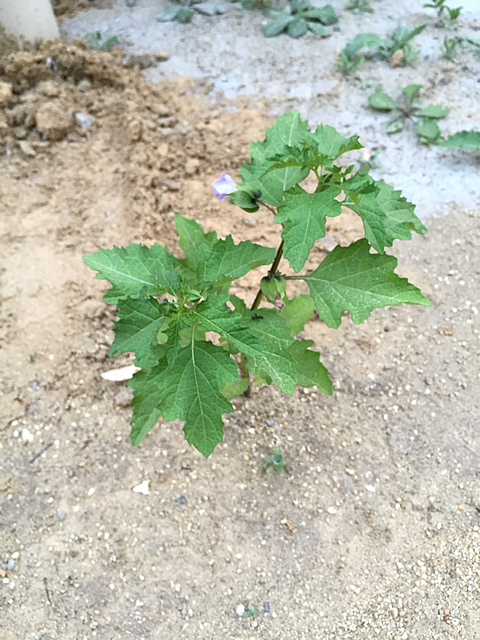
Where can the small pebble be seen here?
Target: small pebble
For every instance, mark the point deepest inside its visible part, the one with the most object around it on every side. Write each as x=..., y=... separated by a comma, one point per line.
x=172, y=185
x=394, y=613
x=10, y=564
x=331, y=510
x=250, y=222
x=84, y=120
x=26, y=148
x=461, y=507
x=141, y=488
x=161, y=55
x=60, y=515
x=240, y=610
x=370, y=488
x=266, y=607
x=270, y=422
x=181, y=500
x=27, y=436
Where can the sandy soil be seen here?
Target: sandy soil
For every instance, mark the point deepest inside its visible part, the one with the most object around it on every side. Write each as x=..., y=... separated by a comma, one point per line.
x=374, y=530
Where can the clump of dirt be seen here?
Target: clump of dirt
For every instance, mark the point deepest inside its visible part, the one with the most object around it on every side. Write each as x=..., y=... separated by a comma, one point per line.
x=74, y=62
x=171, y=142
x=65, y=8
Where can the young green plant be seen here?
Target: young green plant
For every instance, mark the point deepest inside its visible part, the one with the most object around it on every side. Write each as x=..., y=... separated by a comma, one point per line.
x=423, y=117
x=446, y=15
x=380, y=48
x=169, y=308
x=95, y=41
x=449, y=48
x=298, y=17
x=275, y=463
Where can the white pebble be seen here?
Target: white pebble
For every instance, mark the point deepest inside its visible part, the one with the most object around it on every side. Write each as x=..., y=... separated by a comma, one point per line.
x=141, y=488
x=27, y=436
x=240, y=610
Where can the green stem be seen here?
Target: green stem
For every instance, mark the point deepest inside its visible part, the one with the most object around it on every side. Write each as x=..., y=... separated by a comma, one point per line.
x=244, y=372
x=271, y=273
x=269, y=208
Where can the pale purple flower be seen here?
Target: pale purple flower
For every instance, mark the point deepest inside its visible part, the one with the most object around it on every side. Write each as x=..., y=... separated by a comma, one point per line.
x=223, y=186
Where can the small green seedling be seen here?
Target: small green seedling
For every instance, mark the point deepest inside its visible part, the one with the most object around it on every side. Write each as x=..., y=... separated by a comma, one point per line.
x=348, y=63
x=183, y=11
x=445, y=15
x=380, y=48
x=401, y=40
x=251, y=612
x=359, y=6
x=276, y=463
x=32, y=356
x=96, y=42
x=423, y=117
x=299, y=16
x=449, y=48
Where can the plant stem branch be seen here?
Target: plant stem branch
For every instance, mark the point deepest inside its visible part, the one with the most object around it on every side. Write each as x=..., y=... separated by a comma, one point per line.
x=244, y=372
x=269, y=208
x=272, y=271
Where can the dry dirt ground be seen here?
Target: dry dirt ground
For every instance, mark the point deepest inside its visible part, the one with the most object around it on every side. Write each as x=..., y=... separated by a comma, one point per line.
x=373, y=532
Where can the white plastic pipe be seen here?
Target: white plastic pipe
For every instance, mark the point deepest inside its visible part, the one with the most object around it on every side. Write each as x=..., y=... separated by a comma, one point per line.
x=28, y=19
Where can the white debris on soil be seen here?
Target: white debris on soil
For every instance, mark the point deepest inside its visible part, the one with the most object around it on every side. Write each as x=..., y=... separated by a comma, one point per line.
x=120, y=375
x=85, y=120
x=141, y=488
x=27, y=436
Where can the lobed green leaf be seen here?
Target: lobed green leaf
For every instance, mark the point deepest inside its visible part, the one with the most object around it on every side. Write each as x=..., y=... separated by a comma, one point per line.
x=386, y=215
x=287, y=130
x=310, y=371
x=189, y=390
x=214, y=315
x=297, y=311
x=191, y=237
x=132, y=271
x=225, y=261
x=355, y=280
x=275, y=338
x=139, y=321
x=303, y=215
